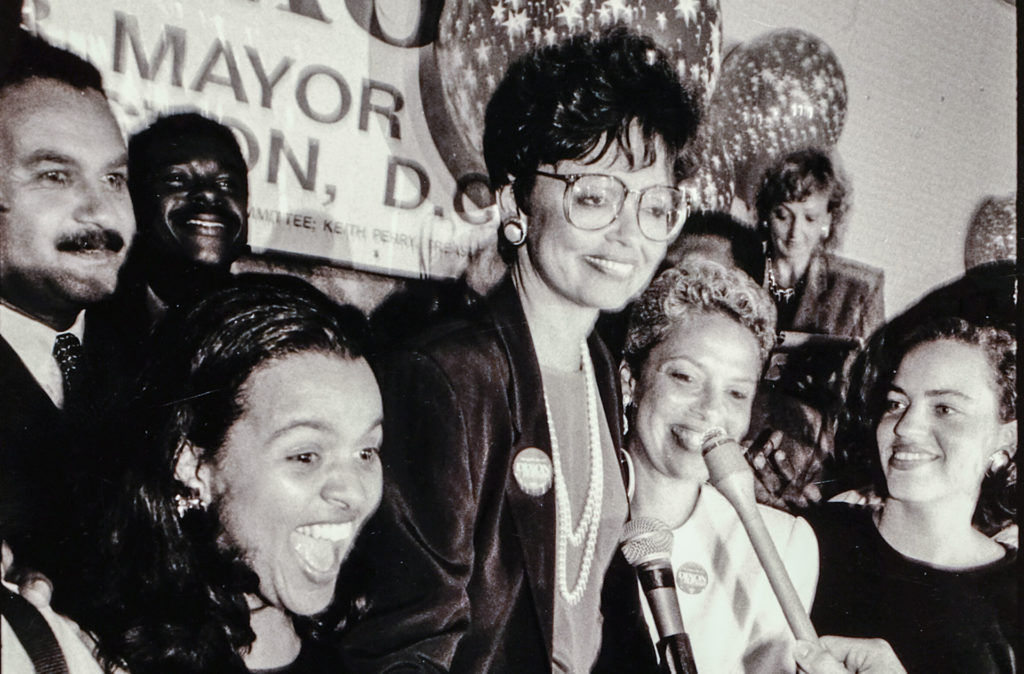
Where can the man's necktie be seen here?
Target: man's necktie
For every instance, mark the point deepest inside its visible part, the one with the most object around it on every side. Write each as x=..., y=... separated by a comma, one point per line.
x=67, y=351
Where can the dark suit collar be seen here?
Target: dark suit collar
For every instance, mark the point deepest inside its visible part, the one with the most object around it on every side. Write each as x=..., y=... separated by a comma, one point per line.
x=535, y=516
x=816, y=285
x=20, y=390
x=525, y=392
x=106, y=365
x=506, y=312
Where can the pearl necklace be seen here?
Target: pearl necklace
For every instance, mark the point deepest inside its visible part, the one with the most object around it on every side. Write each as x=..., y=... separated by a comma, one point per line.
x=585, y=533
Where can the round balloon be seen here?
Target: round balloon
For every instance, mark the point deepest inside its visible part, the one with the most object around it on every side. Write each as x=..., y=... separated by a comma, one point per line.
x=779, y=92
x=477, y=40
x=711, y=183
x=992, y=233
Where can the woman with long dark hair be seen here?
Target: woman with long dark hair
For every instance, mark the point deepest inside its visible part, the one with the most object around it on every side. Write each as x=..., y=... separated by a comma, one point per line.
x=248, y=466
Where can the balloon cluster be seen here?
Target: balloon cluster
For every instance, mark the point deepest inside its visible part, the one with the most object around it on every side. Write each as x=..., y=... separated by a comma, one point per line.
x=777, y=93
x=477, y=41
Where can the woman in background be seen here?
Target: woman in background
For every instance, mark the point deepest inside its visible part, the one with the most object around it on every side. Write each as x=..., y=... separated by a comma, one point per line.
x=920, y=570
x=801, y=205
x=827, y=305
x=505, y=500
x=250, y=465
x=695, y=350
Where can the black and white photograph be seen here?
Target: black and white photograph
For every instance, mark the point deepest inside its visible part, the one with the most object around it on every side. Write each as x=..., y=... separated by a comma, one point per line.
x=509, y=336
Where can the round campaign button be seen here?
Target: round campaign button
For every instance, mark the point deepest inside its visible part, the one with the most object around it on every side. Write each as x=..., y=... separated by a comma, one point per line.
x=532, y=470
x=691, y=578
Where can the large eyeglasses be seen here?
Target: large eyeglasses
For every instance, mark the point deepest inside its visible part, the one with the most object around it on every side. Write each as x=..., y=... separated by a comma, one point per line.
x=593, y=201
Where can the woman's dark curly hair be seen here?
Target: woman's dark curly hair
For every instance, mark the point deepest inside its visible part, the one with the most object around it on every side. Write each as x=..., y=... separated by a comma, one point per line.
x=167, y=596
x=997, y=506
x=561, y=102
x=800, y=175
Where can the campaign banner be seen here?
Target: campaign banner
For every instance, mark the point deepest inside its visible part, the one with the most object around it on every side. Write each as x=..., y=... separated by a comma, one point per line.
x=348, y=151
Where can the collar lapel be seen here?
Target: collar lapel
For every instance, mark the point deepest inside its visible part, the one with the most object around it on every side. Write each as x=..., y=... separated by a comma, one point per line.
x=810, y=298
x=534, y=516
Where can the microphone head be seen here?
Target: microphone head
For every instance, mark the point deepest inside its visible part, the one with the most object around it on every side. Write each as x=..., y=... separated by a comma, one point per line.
x=724, y=459
x=713, y=437
x=645, y=539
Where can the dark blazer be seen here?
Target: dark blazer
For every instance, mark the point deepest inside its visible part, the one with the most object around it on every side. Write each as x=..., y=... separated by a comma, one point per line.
x=45, y=464
x=841, y=297
x=458, y=563
x=32, y=435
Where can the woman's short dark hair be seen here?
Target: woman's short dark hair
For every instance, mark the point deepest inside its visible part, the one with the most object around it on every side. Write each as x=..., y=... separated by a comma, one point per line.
x=800, y=175
x=997, y=505
x=560, y=102
x=170, y=597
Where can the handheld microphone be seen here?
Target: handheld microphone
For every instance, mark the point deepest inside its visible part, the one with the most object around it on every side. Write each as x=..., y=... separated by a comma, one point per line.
x=646, y=544
x=731, y=475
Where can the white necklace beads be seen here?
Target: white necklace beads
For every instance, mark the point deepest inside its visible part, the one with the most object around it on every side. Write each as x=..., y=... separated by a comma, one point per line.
x=584, y=533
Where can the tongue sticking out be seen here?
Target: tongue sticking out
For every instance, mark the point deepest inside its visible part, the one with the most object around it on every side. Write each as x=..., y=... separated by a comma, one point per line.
x=317, y=553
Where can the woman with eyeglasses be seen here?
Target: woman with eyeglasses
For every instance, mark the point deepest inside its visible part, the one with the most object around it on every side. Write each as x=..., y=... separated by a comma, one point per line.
x=505, y=498
x=801, y=207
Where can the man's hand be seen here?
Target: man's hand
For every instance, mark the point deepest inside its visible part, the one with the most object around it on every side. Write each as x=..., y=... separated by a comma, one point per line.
x=32, y=585
x=845, y=655
x=784, y=479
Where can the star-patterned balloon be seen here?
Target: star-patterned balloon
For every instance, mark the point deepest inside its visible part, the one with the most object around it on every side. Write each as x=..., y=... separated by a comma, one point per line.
x=477, y=41
x=712, y=186
x=992, y=234
x=780, y=92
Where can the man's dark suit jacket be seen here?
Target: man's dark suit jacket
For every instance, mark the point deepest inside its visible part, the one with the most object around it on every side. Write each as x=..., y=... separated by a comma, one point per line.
x=46, y=463
x=458, y=563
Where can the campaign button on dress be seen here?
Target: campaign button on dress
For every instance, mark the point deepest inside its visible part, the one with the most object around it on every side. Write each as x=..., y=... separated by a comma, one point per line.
x=533, y=472
x=691, y=578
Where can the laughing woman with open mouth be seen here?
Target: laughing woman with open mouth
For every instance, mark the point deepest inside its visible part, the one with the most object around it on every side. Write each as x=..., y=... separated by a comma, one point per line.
x=250, y=465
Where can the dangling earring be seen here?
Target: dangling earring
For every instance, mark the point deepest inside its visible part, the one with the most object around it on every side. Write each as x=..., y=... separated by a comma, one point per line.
x=184, y=504
x=627, y=411
x=514, y=231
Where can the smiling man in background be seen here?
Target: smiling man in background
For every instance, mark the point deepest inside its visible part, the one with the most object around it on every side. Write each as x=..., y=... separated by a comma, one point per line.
x=188, y=184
